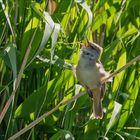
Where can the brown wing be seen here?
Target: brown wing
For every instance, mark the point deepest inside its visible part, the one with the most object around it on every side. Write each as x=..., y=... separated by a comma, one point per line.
x=103, y=90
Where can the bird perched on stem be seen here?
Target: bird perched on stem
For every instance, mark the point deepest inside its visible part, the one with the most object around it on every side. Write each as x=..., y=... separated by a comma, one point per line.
x=90, y=73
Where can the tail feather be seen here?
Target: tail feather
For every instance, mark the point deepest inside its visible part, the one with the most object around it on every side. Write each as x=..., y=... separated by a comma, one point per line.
x=97, y=95
x=97, y=110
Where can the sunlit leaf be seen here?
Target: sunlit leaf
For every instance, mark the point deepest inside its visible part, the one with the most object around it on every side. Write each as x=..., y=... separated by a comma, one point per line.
x=129, y=104
x=49, y=27
x=62, y=134
x=119, y=77
x=87, y=8
x=54, y=38
x=113, y=118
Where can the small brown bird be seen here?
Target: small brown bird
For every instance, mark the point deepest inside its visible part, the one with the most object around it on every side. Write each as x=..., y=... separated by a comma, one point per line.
x=90, y=73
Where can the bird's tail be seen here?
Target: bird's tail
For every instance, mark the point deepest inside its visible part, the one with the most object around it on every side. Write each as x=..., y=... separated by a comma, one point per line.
x=97, y=110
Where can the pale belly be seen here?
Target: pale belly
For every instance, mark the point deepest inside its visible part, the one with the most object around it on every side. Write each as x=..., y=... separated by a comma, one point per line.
x=89, y=77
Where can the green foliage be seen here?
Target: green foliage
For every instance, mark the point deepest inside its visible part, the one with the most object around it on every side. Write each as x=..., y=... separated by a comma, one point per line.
x=53, y=30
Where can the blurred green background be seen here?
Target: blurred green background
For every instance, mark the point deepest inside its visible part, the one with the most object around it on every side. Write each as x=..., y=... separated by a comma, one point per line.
x=53, y=30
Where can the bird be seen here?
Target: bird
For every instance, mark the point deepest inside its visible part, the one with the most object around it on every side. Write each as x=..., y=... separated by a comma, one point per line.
x=90, y=72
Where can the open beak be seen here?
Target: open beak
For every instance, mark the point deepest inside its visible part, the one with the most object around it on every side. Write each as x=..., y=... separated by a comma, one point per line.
x=87, y=44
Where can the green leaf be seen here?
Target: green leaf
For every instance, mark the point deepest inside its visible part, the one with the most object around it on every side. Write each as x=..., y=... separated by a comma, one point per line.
x=11, y=52
x=128, y=104
x=71, y=111
x=102, y=18
x=56, y=61
x=54, y=38
x=62, y=134
x=129, y=135
x=113, y=119
x=27, y=37
x=119, y=77
x=33, y=103
x=49, y=28
x=87, y=8
x=7, y=18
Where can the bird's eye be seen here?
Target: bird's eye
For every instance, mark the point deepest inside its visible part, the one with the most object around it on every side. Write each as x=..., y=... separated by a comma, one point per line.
x=87, y=53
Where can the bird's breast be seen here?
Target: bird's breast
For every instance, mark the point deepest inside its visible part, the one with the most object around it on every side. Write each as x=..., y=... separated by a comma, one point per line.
x=89, y=76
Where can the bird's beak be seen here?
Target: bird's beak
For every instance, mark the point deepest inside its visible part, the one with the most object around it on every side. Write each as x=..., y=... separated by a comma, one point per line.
x=87, y=44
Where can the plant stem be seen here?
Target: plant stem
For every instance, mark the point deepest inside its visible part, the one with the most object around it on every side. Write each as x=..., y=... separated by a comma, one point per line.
x=31, y=125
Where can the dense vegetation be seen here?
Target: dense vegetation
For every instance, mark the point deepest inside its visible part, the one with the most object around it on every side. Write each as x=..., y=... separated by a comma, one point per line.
x=40, y=42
